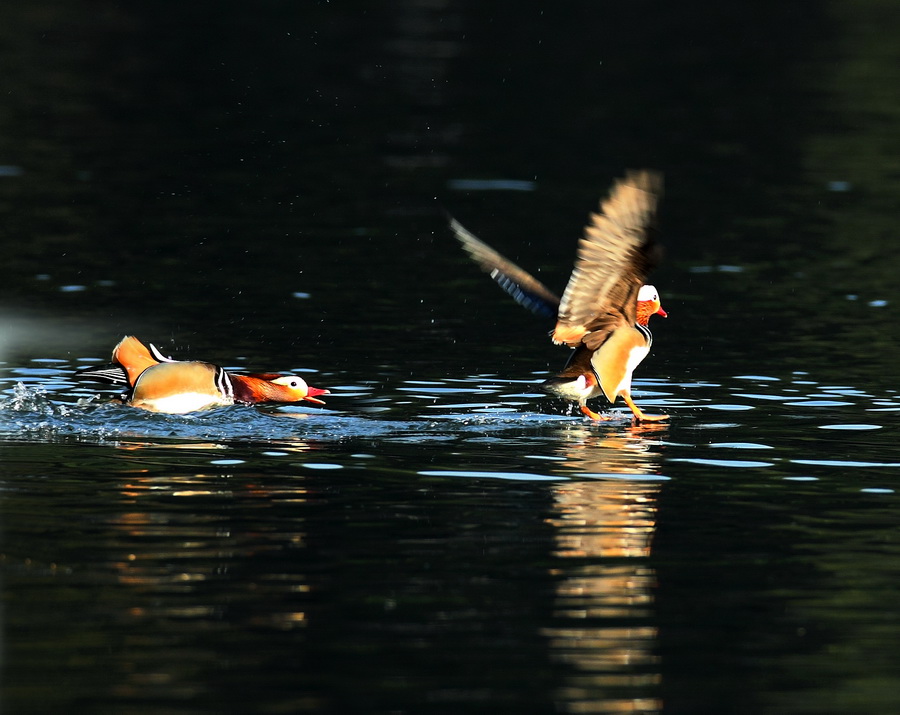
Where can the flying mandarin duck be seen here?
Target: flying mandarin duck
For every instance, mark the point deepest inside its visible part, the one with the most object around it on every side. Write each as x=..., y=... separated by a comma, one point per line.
x=160, y=384
x=604, y=312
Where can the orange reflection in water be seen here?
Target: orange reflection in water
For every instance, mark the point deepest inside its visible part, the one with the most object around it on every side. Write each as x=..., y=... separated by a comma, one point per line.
x=176, y=536
x=604, y=599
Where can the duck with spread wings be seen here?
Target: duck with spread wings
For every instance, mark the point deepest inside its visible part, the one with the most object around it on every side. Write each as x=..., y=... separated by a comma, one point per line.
x=606, y=307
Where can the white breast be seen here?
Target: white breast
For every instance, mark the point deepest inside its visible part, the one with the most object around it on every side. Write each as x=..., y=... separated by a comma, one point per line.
x=634, y=359
x=182, y=403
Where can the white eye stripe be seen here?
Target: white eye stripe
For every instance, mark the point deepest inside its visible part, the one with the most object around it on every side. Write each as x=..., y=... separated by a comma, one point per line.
x=297, y=383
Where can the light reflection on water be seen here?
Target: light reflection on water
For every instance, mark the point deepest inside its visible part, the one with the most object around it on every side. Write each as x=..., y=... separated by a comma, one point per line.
x=41, y=401
x=496, y=428
x=603, y=532
x=487, y=416
x=217, y=520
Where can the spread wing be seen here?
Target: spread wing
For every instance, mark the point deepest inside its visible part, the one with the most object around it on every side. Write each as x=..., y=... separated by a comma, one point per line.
x=521, y=285
x=615, y=255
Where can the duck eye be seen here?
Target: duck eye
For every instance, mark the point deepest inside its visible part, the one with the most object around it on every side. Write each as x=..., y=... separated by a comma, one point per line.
x=294, y=383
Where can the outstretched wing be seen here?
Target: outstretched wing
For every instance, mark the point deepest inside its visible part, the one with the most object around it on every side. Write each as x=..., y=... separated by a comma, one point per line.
x=615, y=255
x=521, y=285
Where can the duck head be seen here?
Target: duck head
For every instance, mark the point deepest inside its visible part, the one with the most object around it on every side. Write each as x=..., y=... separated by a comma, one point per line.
x=295, y=389
x=272, y=387
x=648, y=304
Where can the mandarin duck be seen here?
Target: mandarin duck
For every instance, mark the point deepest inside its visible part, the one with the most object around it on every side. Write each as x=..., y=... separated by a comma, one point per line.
x=160, y=384
x=605, y=309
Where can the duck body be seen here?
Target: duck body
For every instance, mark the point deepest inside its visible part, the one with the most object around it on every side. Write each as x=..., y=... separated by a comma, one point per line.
x=607, y=370
x=604, y=312
x=160, y=384
x=180, y=387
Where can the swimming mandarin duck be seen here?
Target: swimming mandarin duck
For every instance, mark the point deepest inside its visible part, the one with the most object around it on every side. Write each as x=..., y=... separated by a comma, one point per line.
x=160, y=384
x=605, y=309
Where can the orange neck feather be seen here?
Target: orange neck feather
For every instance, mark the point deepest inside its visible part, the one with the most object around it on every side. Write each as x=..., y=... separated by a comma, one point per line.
x=646, y=308
x=253, y=389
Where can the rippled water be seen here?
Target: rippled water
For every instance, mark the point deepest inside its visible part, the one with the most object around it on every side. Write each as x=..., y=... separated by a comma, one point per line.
x=253, y=559
x=738, y=423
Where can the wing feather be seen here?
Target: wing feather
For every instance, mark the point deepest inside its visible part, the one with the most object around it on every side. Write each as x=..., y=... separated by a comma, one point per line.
x=615, y=255
x=107, y=373
x=527, y=290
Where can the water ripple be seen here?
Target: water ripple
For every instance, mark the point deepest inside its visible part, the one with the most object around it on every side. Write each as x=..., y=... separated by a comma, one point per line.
x=736, y=463
x=518, y=476
x=499, y=422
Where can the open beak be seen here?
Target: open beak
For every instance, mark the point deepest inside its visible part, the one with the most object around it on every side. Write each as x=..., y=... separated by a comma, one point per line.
x=311, y=395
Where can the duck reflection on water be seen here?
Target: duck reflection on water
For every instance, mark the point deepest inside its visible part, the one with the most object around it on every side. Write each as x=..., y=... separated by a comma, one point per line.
x=605, y=629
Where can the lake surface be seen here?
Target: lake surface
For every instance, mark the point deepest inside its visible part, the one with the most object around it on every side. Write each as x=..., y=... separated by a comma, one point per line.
x=268, y=190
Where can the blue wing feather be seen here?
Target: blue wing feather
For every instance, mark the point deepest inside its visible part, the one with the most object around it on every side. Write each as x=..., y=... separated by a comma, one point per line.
x=525, y=289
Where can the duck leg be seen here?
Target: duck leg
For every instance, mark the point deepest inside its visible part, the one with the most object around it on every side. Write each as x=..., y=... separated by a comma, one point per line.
x=639, y=415
x=594, y=415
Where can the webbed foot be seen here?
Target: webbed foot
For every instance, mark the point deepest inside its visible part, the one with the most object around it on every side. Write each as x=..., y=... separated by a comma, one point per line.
x=639, y=415
x=597, y=417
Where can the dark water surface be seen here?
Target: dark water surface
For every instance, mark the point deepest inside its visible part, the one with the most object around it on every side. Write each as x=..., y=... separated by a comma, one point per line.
x=266, y=188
